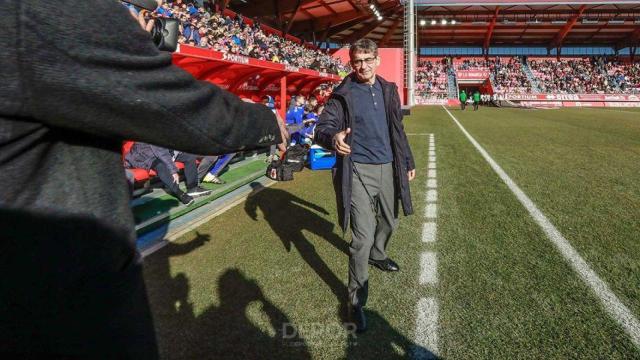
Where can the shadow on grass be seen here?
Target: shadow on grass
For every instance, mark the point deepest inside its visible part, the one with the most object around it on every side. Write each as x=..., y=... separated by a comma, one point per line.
x=219, y=332
x=382, y=341
x=288, y=215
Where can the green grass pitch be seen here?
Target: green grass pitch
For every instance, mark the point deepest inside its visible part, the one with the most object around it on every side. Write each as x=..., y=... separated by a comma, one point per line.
x=239, y=286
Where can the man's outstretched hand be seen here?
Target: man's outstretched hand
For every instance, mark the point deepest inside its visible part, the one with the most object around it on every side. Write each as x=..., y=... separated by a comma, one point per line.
x=283, y=129
x=339, y=143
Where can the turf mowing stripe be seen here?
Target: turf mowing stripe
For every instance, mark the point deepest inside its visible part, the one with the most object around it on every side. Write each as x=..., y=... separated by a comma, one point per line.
x=612, y=305
x=426, y=329
x=428, y=268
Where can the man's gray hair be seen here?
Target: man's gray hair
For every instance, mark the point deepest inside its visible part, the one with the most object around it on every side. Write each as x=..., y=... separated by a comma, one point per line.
x=365, y=46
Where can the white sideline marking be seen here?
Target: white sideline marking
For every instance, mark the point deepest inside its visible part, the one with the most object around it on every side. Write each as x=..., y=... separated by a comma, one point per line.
x=432, y=196
x=432, y=158
x=430, y=211
x=428, y=268
x=431, y=174
x=427, y=329
x=432, y=183
x=417, y=134
x=432, y=153
x=432, y=166
x=429, y=232
x=610, y=301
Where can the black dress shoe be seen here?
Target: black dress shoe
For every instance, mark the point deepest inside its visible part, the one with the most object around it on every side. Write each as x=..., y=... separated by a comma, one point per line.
x=356, y=316
x=385, y=265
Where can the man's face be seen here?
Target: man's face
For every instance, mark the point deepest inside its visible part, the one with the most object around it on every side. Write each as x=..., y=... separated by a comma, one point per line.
x=365, y=65
x=300, y=101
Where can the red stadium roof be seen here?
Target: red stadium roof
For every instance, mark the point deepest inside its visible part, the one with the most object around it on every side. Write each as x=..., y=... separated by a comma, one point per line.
x=482, y=23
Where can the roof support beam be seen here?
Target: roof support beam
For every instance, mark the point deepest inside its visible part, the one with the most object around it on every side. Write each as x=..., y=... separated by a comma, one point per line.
x=359, y=34
x=324, y=4
x=278, y=13
x=566, y=29
x=390, y=32
x=492, y=25
x=295, y=12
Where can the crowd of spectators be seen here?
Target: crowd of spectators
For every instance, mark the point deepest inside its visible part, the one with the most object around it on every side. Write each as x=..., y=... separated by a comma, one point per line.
x=623, y=76
x=509, y=77
x=474, y=64
x=571, y=76
x=431, y=79
x=206, y=28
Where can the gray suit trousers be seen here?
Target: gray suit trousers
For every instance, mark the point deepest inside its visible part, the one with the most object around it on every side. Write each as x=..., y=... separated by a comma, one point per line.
x=370, y=228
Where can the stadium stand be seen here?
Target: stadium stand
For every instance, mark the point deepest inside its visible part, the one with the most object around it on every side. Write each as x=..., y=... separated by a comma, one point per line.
x=571, y=76
x=239, y=36
x=431, y=78
x=509, y=76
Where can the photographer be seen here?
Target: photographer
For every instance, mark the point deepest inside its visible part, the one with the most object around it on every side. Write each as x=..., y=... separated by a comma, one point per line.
x=73, y=90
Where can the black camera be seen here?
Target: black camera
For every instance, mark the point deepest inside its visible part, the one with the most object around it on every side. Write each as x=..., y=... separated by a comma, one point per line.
x=165, y=31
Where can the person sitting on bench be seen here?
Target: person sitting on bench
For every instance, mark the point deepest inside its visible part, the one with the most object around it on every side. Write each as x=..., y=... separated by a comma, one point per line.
x=161, y=160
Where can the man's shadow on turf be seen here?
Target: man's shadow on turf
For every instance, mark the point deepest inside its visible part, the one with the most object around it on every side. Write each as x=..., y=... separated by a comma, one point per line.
x=219, y=332
x=288, y=215
x=383, y=341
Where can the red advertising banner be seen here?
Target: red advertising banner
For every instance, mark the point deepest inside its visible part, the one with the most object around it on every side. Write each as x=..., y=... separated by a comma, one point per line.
x=430, y=101
x=542, y=103
x=623, y=104
x=472, y=75
x=582, y=104
x=571, y=97
x=510, y=2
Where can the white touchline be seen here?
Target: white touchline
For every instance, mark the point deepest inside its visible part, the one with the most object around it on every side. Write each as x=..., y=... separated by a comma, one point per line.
x=430, y=211
x=610, y=301
x=432, y=195
x=428, y=268
x=432, y=166
x=432, y=153
x=427, y=328
x=432, y=183
x=432, y=158
x=429, y=232
x=431, y=173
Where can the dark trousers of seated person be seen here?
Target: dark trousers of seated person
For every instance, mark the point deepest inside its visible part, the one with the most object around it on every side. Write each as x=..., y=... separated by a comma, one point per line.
x=190, y=173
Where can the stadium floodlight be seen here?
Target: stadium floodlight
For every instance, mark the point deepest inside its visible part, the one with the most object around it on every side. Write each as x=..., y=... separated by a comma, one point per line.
x=616, y=22
x=372, y=6
x=453, y=22
x=433, y=22
x=533, y=21
x=443, y=22
x=380, y=18
x=423, y=22
x=559, y=22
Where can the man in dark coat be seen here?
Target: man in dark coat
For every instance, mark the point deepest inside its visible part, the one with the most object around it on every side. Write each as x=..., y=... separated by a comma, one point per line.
x=79, y=77
x=362, y=122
